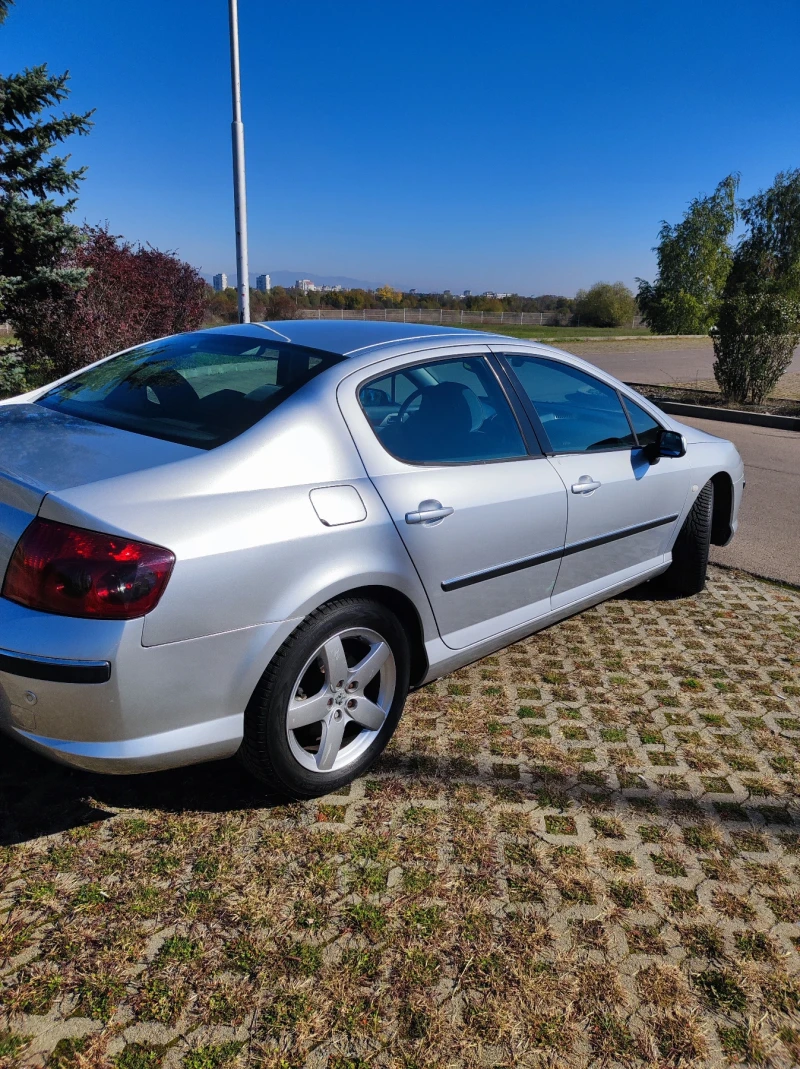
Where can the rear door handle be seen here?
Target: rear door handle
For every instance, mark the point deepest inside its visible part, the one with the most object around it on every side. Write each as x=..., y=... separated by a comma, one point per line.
x=429, y=513
x=585, y=485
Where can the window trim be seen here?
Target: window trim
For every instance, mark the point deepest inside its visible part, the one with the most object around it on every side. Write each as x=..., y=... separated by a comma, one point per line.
x=528, y=442
x=538, y=426
x=530, y=437
x=625, y=401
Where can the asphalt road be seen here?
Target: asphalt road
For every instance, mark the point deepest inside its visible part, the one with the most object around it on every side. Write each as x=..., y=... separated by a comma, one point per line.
x=657, y=365
x=768, y=540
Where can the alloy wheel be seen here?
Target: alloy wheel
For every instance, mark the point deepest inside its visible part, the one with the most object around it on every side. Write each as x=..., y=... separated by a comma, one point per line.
x=341, y=699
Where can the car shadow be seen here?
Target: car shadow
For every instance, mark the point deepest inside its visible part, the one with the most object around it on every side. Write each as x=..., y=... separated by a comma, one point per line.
x=40, y=798
x=652, y=590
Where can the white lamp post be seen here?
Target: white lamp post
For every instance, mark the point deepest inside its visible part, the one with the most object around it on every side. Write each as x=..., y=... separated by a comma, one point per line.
x=239, y=189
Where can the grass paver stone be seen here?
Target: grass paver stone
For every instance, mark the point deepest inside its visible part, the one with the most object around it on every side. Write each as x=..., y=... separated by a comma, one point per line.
x=583, y=850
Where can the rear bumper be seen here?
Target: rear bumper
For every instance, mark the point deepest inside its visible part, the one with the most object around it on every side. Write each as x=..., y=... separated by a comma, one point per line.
x=89, y=694
x=208, y=741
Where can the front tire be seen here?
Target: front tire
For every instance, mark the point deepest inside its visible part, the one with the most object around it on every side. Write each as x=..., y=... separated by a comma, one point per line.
x=687, y=573
x=330, y=700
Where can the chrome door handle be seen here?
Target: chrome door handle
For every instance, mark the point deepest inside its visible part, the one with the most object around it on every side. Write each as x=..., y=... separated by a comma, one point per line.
x=429, y=513
x=585, y=485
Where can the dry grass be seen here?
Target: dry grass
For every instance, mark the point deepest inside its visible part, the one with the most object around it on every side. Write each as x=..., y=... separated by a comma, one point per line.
x=649, y=343
x=788, y=387
x=581, y=851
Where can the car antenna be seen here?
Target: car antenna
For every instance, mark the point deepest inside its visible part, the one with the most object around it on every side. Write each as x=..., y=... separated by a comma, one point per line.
x=274, y=331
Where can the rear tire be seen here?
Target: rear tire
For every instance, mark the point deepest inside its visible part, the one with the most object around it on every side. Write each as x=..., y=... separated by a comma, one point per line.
x=308, y=733
x=687, y=573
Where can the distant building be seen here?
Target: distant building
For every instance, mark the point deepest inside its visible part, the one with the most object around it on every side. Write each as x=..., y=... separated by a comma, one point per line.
x=305, y=285
x=412, y=292
x=467, y=293
x=263, y=283
x=220, y=282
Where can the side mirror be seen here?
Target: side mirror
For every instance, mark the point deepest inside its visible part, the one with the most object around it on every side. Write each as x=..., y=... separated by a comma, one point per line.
x=668, y=444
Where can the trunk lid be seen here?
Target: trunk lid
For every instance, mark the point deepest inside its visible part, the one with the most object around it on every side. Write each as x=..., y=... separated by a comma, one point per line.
x=42, y=451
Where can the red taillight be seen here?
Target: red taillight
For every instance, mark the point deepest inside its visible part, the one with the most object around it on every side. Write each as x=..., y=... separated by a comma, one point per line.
x=67, y=570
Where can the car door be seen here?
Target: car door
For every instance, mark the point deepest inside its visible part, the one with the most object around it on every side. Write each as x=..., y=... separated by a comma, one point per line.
x=622, y=509
x=481, y=512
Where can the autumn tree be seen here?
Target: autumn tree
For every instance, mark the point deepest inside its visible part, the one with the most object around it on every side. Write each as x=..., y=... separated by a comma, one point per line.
x=388, y=296
x=132, y=294
x=280, y=305
x=694, y=257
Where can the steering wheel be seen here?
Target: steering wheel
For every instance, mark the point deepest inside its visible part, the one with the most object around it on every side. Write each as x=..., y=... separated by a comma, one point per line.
x=402, y=411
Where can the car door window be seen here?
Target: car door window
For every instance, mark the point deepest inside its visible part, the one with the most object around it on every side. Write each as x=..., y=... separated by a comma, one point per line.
x=443, y=412
x=579, y=413
x=643, y=423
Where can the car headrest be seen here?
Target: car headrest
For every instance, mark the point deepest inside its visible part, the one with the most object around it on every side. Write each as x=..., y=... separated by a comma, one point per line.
x=449, y=405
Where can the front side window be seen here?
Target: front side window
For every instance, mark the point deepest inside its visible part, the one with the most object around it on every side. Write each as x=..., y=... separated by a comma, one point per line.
x=198, y=389
x=643, y=423
x=443, y=412
x=579, y=413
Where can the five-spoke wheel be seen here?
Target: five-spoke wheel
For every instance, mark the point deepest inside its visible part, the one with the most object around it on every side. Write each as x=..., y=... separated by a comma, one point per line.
x=341, y=699
x=329, y=701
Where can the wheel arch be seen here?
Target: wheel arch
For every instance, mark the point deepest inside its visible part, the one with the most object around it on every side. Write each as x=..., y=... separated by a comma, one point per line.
x=406, y=611
x=722, y=516
x=394, y=600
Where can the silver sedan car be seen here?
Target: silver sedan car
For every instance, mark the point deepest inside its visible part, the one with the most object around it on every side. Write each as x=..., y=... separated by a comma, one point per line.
x=257, y=539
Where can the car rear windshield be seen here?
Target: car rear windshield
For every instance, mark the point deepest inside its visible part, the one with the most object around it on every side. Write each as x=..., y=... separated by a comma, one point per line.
x=198, y=389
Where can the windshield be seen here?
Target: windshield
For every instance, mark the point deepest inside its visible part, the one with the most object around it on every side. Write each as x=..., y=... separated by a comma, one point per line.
x=198, y=389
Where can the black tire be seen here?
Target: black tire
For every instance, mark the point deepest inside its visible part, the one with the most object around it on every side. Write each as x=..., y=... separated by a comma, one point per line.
x=687, y=573
x=266, y=751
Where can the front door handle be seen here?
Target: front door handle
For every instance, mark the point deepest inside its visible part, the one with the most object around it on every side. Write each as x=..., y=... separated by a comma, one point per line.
x=429, y=512
x=585, y=485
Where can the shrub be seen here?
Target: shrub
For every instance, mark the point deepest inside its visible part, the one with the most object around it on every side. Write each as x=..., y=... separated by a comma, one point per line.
x=133, y=294
x=753, y=344
x=12, y=371
x=606, y=304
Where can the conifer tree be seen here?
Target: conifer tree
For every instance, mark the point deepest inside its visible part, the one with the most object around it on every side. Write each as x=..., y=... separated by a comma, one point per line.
x=37, y=187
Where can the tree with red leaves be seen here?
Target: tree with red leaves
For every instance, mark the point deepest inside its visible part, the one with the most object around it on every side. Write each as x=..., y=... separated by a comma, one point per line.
x=133, y=294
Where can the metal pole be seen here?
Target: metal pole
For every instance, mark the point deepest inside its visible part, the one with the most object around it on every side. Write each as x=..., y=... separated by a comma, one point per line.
x=239, y=190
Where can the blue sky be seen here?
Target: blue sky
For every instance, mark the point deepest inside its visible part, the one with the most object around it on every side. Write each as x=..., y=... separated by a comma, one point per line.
x=508, y=146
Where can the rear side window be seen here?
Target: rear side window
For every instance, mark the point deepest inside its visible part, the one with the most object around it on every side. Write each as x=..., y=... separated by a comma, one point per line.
x=580, y=414
x=198, y=389
x=643, y=423
x=443, y=412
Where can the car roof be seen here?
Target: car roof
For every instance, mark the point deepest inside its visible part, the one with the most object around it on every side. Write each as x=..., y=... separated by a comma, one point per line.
x=348, y=337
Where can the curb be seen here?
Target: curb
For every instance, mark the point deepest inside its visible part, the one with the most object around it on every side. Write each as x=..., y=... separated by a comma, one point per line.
x=728, y=415
x=761, y=576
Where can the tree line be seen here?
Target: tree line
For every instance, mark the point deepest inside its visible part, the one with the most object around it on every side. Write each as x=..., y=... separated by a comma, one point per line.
x=603, y=305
